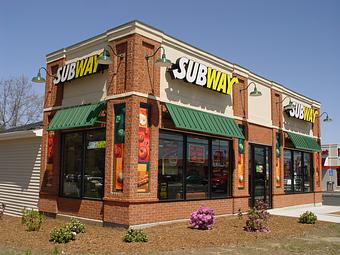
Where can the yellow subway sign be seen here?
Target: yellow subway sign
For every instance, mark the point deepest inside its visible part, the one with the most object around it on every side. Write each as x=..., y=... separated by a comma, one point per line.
x=303, y=112
x=78, y=69
x=196, y=73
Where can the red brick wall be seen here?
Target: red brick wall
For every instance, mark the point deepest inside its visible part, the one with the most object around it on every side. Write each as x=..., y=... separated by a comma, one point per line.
x=259, y=134
x=296, y=199
x=240, y=98
x=276, y=103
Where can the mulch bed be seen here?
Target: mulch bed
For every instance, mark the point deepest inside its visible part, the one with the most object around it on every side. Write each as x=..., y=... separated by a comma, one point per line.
x=105, y=240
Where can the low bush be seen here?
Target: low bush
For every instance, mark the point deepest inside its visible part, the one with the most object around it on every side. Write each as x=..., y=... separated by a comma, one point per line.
x=2, y=209
x=62, y=235
x=203, y=218
x=308, y=218
x=135, y=235
x=257, y=218
x=67, y=232
x=76, y=226
x=32, y=219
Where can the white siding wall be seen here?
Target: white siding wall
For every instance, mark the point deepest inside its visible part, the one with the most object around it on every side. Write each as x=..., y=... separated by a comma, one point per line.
x=20, y=173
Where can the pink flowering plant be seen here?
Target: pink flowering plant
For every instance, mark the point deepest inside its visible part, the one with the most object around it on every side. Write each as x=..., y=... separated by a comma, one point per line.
x=257, y=218
x=203, y=218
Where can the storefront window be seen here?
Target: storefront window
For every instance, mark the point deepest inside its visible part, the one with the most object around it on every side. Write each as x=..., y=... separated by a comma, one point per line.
x=94, y=164
x=307, y=181
x=297, y=171
x=72, y=166
x=287, y=171
x=83, y=164
x=221, y=171
x=202, y=172
x=197, y=168
x=170, y=165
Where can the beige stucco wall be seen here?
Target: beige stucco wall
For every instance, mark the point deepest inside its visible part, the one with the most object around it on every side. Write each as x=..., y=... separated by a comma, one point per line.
x=191, y=95
x=259, y=108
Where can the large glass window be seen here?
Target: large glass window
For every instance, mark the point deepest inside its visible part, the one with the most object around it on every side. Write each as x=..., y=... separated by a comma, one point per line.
x=297, y=171
x=197, y=171
x=191, y=167
x=221, y=170
x=170, y=165
x=83, y=164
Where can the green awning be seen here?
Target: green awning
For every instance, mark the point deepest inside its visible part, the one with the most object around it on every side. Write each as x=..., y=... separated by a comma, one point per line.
x=304, y=142
x=76, y=116
x=186, y=118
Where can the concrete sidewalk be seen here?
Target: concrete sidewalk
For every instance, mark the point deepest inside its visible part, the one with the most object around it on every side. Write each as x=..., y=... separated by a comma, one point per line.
x=323, y=212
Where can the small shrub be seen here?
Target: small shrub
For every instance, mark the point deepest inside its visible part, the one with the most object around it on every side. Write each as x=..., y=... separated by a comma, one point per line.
x=257, y=218
x=307, y=218
x=62, y=235
x=55, y=251
x=135, y=235
x=203, y=218
x=32, y=219
x=76, y=226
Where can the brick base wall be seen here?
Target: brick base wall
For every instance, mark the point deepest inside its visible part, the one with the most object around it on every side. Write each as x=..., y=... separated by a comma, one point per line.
x=91, y=209
x=296, y=199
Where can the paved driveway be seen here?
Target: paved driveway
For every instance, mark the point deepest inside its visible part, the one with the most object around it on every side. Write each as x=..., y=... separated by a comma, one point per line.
x=323, y=212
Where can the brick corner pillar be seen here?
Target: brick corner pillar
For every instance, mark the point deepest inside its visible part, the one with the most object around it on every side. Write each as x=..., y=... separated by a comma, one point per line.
x=240, y=191
x=277, y=166
x=240, y=97
x=50, y=167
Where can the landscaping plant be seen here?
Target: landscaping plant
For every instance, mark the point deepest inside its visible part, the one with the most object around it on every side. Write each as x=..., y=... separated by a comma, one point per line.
x=203, y=218
x=257, y=218
x=2, y=209
x=308, y=218
x=62, y=235
x=135, y=235
x=67, y=232
x=32, y=219
x=76, y=226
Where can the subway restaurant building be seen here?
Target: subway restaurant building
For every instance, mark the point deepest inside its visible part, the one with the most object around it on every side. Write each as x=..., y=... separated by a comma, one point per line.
x=133, y=139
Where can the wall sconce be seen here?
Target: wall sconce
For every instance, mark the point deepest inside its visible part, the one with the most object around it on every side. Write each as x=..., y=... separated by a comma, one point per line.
x=162, y=61
x=105, y=59
x=289, y=106
x=39, y=78
x=327, y=118
x=255, y=92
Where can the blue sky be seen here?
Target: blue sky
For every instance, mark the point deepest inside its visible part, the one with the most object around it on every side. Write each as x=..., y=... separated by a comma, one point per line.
x=295, y=43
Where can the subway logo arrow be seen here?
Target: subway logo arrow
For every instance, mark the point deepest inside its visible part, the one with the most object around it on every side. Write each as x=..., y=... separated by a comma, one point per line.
x=80, y=68
x=201, y=75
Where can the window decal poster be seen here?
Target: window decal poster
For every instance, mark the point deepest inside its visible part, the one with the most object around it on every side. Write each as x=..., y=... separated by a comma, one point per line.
x=143, y=150
x=196, y=153
x=119, y=135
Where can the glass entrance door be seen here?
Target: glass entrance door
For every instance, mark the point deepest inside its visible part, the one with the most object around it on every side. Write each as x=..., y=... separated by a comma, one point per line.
x=260, y=174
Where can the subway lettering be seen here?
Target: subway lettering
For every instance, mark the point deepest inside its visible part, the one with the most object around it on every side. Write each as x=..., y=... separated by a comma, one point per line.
x=201, y=75
x=74, y=70
x=303, y=112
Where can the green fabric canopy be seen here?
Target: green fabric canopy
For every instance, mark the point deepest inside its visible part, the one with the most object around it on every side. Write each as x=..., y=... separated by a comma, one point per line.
x=76, y=116
x=190, y=119
x=304, y=142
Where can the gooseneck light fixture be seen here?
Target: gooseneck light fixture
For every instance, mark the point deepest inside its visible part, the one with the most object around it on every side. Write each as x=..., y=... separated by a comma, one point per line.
x=162, y=61
x=255, y=92
x=39, y=78
x=327, y=118
x=289, y=106
x=105, y=58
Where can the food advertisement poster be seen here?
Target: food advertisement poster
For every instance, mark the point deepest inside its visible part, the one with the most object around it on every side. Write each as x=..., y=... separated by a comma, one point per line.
x=143, y=150
x=196, y=153
x=119, y=138
x=219, y=158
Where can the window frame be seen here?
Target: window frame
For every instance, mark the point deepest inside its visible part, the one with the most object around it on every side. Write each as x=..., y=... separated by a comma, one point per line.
x=303, y=153
x=62, y=146
x=185, y=136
